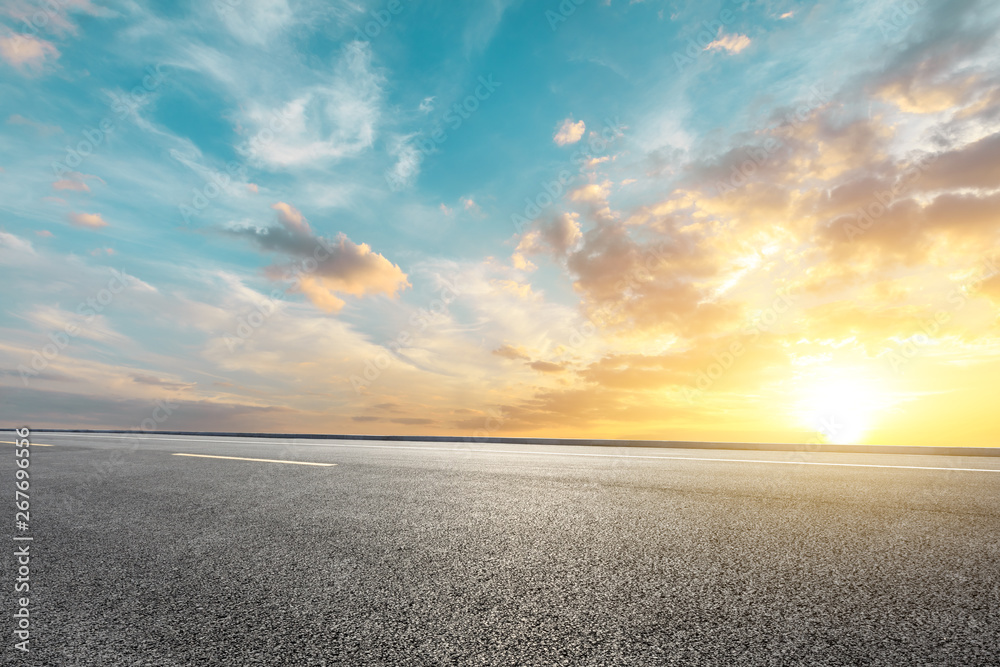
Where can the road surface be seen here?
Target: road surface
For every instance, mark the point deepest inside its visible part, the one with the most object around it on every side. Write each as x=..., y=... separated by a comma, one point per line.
x=491, y=554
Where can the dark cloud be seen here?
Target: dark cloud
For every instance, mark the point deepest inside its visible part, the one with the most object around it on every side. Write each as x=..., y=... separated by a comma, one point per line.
x=323, y=268
x=158, y=382
x=40, y=408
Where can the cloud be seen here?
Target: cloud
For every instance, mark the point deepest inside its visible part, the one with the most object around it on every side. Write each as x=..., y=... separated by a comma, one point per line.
x=292, y=219
x=26, y=53
x=569, y=132
x=510, y=352
x=256, y=22
x=408, y=158
x=68, y=184
x=75, y=181
x=153, y=380
x=323, y=268
x=547, y=367
x=556, y=236
x=329, y=121
x=91, y=326
x=75, y=410
x=733, y=43
x=13, y=245
x=595, y=194
x=974, y=165
x=991, y=287
x=44, y=130
x=412, y=421
x=88, y=220
x=52, y=16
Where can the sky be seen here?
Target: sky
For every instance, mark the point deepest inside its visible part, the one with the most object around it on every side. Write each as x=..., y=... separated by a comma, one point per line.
x=763, y=221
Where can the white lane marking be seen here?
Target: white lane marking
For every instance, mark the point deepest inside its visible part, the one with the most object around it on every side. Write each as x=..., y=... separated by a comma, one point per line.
x=515, y=451
x=34, y=444
x=240, y=458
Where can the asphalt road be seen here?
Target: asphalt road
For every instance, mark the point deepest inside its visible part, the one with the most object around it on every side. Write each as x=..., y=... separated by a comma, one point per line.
x=452, y=554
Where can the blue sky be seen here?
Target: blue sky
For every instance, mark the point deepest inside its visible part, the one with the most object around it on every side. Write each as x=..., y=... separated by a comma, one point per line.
x=205, y=150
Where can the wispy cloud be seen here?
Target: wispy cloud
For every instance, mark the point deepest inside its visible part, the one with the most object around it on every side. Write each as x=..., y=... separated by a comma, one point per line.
x=733, y=43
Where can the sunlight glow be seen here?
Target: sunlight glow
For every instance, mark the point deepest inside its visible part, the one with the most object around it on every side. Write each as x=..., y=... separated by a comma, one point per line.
x=843, y=410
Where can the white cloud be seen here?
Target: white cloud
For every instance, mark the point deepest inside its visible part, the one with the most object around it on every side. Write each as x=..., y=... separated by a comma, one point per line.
x=255, y=21
x=569, y=132
x=408, y=159
x=324, y=122
x=732, y=43
x=13, y=247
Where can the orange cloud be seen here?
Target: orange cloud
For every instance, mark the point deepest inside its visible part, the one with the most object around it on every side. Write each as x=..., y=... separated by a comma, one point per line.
x=732, y=43
x=75, y=181
x=88, y=220
x=26, y=53
x=511, y=352
x=547, y=367
x=67, y=184
x=323, y=267
x=290, y=217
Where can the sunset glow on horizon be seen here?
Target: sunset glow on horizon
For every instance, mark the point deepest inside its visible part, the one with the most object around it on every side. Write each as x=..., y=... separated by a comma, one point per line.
x=763, y=221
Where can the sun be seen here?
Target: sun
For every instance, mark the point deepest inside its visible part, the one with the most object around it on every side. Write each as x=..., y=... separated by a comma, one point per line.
x=842, y=409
